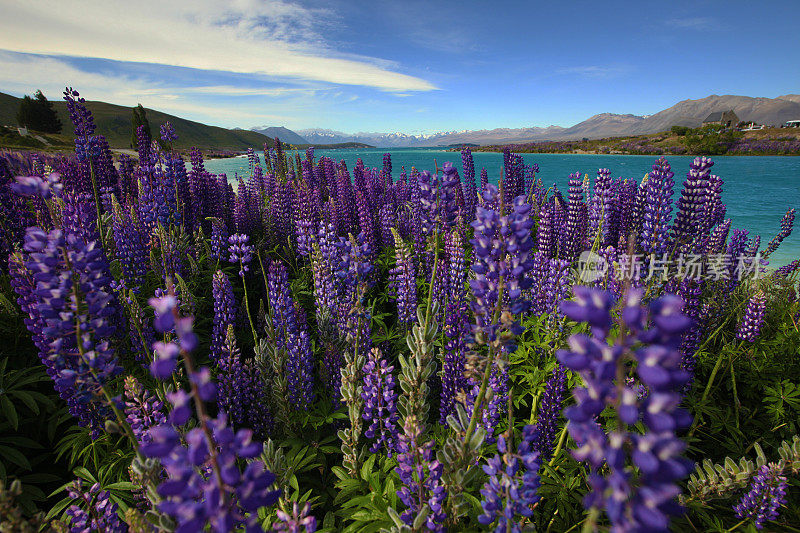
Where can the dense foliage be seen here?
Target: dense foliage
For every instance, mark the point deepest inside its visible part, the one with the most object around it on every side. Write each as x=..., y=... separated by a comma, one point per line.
x=38, y=114
x=325, y=348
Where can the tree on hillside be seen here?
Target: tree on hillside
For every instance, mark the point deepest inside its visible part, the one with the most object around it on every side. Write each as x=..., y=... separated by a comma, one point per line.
x=38, y=114
x=139, y=118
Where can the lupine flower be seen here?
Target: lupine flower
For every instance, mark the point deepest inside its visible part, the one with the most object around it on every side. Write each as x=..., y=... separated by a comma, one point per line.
x=456, y=330
x=421, y=474
x=224, y=312
x=549, y=412
x=142, y=410
x=513, y=484
x=766, y=495
x=241, y=389
x=631, y=502
x=380, y=402
x=787, y=222
x=296, y=522
x=574, y=233
x=168, y=133
x=75, y=303
x=502, y=248
x=204, y=487
x=657, y=208
x=219, y=239
x=404, y=281
x=688, y=218
x=753, y=318
x=240, y=251
x=81, y=117
x=99, y=512
x=294, y=337
x=456, y=272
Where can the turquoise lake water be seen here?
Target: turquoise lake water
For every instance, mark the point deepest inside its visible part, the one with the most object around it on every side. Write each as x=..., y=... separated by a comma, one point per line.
x=758, y=190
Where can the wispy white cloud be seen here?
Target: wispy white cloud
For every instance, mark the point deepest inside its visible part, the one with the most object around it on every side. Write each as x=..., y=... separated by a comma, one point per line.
x=595, y=71
x=692, y=23
x=24, y=73
x=262, y=37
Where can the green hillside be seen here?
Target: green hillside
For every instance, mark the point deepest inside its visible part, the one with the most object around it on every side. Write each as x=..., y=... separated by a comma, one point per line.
x=114, y=122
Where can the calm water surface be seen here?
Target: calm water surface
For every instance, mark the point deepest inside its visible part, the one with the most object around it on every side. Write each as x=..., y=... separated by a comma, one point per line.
x=757, y=190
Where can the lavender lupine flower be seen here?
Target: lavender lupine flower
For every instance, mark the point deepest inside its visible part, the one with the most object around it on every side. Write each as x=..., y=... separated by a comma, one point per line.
x=75, y=303
x=428, y=201
x=690, y=291
x=298, y=521
x=545, y=239
x=166, y=353
x=714, y=210
x=457, y=271
x=324, y=261
x=600, y=206
x=224, y=313
x=81, y=117
x=241, y=389
x=753, y=318
x=737, y=261
x=380, y=402
x=294, y=338
x=549, y=411
x=404, y=281
x=240, y=251
x=787, y=270
x=470, y=190
x=421, y=475
x=787, y=222
x=632, y=502
x=456, y=330
x=691, y=203
x=766, y=495
x=142, y=410
x=502, y=248
x=513, y=484
x=450, y=195
x=130, y=240
x=653, y=238
x=204, y=486
x=99, y=514
x=574, y=232
x=168, y=134
x=219, y=239
x=494, y=409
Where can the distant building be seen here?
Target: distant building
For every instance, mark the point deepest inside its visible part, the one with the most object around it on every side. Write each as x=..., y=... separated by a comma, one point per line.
x=792, y=124
x=723, y=118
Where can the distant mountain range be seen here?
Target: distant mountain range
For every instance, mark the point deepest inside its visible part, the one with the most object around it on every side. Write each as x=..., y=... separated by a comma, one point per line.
x=114, y=122
x=284, y=134
x=685, y=113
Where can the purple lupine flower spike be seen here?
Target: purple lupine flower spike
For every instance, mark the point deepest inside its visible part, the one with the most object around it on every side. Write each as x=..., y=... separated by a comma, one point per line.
x=421, y=474
x=549, y=411
x=224, y=312
x=513, y=484
x=240, y=251
x=644, y=503
x=766, y=495
x=102, y=511
x=404, y=281
x=298, y=521
x=380, y=403
x=787, y=223
x=753, y=318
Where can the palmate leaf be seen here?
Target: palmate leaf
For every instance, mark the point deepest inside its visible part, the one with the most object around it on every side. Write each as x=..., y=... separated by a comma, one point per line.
x=9, y=411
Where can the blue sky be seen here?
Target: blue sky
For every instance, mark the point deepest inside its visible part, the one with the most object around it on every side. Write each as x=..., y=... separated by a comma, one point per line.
x=403, y=66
